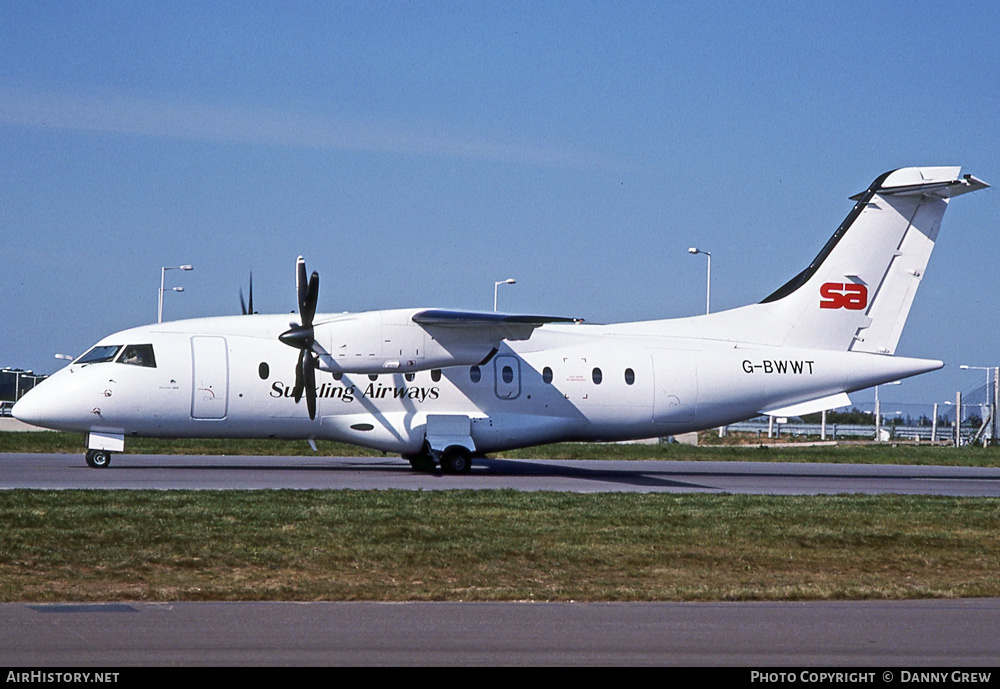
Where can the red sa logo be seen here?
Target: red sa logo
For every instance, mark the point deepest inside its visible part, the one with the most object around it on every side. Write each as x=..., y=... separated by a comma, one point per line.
x=839, y=295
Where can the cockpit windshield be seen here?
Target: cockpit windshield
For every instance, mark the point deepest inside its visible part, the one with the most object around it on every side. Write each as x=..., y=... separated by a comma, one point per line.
x=138, y=355
x=133, y=355
x=99, y=354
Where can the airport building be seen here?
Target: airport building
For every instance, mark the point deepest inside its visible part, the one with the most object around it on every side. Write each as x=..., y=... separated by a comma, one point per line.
x=14, y=382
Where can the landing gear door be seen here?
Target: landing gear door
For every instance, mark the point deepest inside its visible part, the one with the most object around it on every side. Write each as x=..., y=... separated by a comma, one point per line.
x=210, y=384
x=447, y=430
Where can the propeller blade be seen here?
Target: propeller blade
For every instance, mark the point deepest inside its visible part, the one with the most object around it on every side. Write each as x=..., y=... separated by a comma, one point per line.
x=308, y=292
x=301, y=286
x=247, y=309
x=309, y=376
x=312, y=294
x=299, y=379
x=302, y=336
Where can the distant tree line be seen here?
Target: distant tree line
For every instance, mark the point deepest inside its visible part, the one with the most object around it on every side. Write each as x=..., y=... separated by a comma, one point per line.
x=857, y=417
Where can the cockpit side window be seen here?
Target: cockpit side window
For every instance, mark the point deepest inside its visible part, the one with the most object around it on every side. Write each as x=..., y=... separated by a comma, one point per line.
x=99, y=354
x=138, y=355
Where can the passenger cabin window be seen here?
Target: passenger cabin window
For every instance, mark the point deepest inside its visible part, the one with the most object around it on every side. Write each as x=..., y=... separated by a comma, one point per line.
x=629, y=376
x=475, y=374
x=138, y=355
x=507, y=373
x=547, y=375
x=597, y=376
x=99, y=354
x=436, y=375
x=409, y=376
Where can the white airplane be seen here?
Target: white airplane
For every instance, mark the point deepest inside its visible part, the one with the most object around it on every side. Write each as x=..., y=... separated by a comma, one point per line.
x=440, y=387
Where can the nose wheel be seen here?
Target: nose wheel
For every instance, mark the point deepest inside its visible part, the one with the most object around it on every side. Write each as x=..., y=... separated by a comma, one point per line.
x=98, y=459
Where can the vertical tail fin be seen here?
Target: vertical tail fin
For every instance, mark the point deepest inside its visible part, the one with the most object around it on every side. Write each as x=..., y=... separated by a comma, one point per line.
x=857, y=293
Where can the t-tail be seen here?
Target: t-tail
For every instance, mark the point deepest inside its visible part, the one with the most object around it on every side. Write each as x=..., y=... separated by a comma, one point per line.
x=857, y=293
x=852, y=300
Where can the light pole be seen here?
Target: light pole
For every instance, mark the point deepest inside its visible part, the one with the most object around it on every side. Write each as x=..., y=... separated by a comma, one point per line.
x=957, y=423
x=708, y=288
x=878, y=411
x=991, y=402
x=163, y=272
x=496, y=286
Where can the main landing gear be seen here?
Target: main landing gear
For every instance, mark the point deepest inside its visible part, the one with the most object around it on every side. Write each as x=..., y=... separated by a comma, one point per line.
x=98, y=459
x=454, y=460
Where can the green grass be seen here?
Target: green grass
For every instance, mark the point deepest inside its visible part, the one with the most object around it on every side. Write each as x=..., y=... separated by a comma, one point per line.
x=491, y=546
x=496, y=545
x=853, y=453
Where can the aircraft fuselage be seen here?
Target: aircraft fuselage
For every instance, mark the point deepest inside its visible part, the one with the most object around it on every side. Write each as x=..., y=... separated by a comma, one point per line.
x=231, y=377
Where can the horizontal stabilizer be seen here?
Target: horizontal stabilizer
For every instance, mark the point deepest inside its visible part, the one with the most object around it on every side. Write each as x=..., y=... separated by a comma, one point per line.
x=916, y=181
x=812, y=406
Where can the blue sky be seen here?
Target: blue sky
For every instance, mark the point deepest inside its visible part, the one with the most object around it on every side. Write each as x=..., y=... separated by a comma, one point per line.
x=415, y=152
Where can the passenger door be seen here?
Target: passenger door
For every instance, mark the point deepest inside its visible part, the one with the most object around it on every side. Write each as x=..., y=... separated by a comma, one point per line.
x=210, y=382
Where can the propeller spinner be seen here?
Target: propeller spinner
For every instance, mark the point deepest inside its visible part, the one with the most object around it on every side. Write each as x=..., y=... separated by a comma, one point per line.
x=302, y=337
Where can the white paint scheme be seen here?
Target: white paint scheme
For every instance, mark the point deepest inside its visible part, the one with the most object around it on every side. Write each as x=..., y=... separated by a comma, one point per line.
x=231, y=377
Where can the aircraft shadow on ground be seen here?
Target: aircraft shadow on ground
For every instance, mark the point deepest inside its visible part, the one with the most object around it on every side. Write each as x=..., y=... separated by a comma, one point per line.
x=482, y=468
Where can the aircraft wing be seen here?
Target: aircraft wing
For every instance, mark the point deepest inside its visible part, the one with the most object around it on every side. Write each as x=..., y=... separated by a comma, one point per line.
x=495, y=326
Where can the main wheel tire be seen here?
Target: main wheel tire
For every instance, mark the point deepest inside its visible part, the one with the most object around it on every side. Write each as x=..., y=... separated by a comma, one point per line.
x=99, y=459
x=456, y=460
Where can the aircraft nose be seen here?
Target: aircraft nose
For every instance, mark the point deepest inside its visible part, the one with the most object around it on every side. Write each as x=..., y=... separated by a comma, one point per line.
x=47, y=406
x=28, y=409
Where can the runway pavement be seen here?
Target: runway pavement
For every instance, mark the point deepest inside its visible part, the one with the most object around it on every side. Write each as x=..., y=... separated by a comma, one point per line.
x=60, y=471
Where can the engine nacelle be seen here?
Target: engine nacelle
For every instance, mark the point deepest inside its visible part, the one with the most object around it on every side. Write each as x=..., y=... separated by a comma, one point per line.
x=390, y=342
